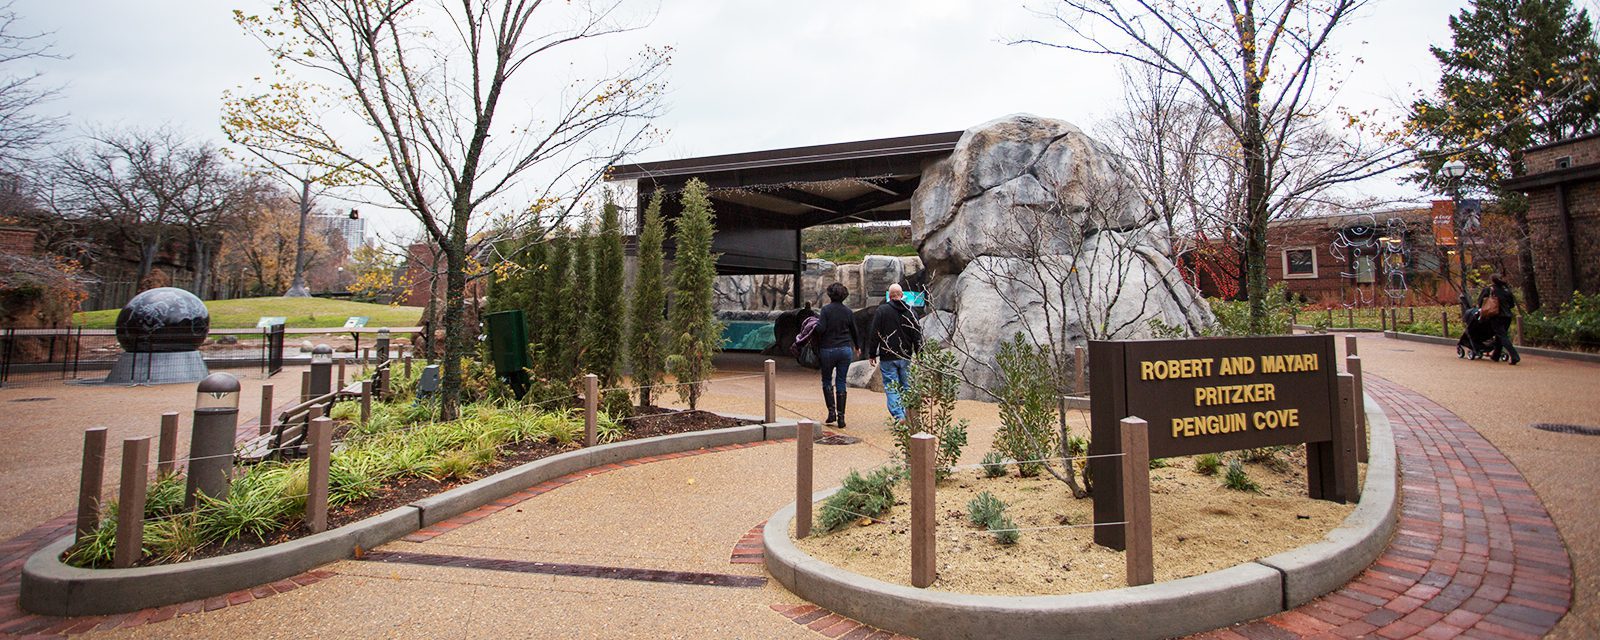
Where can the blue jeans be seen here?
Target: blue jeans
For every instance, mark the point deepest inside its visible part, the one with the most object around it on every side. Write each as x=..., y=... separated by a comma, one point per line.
x=896, y=375
x=835, y=371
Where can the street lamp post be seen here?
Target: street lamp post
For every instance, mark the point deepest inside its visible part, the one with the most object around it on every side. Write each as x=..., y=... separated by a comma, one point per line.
x=1454, y=169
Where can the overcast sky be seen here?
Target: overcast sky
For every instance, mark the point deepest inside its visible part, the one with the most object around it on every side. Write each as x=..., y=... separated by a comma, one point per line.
x=746, y=74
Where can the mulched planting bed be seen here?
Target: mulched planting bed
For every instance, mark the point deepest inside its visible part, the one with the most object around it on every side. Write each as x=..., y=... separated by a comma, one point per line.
x=648, y=422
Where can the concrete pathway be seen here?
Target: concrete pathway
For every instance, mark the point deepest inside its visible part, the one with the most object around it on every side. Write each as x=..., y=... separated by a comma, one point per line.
x=1476, y=550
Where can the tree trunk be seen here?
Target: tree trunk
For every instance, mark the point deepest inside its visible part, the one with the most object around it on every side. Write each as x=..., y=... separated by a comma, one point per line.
x=454, y=320
x=1256, y=189
x=147, y=258
x=297, y=288
x=1530, y=288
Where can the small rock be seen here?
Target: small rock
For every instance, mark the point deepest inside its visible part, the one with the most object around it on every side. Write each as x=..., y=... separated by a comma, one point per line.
x=1182, y=538
x=1301, y=516
x=227, y=339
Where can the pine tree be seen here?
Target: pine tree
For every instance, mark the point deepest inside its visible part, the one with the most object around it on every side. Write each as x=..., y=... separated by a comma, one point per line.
x=581, y=301
x=647, y=354
x=1518, y=73
x=603, y=347
x=698, y=334
x=559, y=313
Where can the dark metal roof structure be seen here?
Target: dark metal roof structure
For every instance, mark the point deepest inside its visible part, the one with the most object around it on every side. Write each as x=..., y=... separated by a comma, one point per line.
x=764, y=198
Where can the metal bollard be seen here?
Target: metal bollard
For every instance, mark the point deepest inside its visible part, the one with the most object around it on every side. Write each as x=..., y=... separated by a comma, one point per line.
x=320, y=439
x=770, y=371
x=591, y=409
x=924, y=553
x=1138, y=536
x=216, y=421
x=167, y=446
x=91, y=482
x=130, y=502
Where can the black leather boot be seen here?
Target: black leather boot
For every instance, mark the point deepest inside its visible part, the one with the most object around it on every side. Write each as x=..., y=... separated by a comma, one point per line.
x=832, y=415
x=841, y=410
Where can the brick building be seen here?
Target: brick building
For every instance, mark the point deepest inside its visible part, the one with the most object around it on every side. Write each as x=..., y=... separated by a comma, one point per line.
x=1562, y=181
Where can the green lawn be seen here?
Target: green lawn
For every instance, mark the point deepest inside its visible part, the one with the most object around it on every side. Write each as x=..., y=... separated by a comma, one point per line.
x=300, y=312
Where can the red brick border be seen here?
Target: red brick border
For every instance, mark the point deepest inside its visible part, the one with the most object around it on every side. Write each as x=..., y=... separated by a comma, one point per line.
x=833, y=625
x=1476, y=554
x=749, y=549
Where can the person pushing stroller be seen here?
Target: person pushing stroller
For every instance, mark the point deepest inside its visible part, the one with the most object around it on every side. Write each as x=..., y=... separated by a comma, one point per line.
x=1488, y=327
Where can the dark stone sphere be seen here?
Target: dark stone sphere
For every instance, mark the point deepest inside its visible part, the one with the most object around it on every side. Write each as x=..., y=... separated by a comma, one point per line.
x=163, y=320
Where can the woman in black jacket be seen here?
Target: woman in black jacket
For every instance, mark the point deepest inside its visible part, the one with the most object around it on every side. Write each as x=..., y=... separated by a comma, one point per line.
x=836, y=342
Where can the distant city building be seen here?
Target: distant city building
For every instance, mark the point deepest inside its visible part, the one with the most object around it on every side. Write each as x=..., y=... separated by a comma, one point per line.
x=352, y=227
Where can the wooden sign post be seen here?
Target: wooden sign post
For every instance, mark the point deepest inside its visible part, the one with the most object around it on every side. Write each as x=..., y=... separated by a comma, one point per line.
x=1206, y=396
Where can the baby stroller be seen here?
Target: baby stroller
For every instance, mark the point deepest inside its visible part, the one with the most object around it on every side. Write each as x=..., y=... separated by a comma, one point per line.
x=1479, y=339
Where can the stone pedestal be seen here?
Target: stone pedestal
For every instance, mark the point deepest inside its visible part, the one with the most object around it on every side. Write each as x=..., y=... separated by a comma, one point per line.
x=158, y=368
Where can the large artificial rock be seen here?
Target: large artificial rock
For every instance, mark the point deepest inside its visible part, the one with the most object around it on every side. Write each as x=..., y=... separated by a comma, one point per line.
x=1019, y=164
x=864, y=375
x=1028, y=227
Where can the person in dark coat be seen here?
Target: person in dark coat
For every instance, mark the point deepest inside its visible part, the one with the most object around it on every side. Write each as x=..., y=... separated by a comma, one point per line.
x=1501, y=320
x=893, y=339
x=836, y=342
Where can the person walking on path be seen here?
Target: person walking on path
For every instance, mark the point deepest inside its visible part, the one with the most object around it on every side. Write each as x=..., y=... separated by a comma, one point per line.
x=1498, y=305
x=836, y=342
x=894, y=338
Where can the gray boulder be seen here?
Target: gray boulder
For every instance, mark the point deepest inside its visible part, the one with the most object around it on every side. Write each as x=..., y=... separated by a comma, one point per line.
x=864, y=375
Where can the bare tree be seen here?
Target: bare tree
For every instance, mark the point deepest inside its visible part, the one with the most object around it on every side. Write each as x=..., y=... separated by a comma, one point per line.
x=145, y=187
x=1258, y=71
x=22, y=127
x=423, y=83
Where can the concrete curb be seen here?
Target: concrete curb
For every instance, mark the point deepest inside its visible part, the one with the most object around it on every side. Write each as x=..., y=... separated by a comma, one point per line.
x=51, y=587
x=1166, y=609
x=1536, y=351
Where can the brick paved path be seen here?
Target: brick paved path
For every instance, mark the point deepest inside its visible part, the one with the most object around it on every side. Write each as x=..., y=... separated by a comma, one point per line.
x=1475, y=555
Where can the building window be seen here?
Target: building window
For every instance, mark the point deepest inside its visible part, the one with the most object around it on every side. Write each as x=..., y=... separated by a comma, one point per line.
x=1364, y=271
x=1300, y=262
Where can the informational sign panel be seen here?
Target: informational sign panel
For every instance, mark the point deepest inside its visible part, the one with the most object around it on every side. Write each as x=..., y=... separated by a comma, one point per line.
x=268, y=321
x=1444, y=227
x=1208, y=396
x=355, y=322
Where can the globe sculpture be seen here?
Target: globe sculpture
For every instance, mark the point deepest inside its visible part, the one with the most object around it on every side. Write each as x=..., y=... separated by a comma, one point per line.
x=161, y=331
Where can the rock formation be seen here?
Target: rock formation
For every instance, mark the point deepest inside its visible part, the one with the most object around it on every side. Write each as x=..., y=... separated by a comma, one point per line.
x=1030, y=226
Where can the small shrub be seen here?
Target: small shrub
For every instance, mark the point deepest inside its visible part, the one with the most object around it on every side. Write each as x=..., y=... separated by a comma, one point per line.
x=1027, y=405
x=609, y=429
x=174, y=538
x=984, y=508
x=1238, y=480
x=617, y=403
x=862, y=496
x=930, y=401
x=994, y=465
x=1004, y=530
x=347, y=410
x=1268, y=457
x=1207, y=464
x=165, y=496
x=1159, y=463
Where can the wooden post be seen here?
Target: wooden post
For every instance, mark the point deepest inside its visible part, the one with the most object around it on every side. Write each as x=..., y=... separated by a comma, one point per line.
x=366, y=401
x=89, y=485
x=1079, y=359
x=803, y=435
x=1351, y=348
x=305, y=385
x=383, y=382
x=1444, y=320
x=366, y=356
x=591, y=409
x=1345, y=447
x=770, y=371
x=130, y=502
x=406, y=359
x=924, y=555
x=1352, y=365
x=1518, y=341
x=1383, y=320
x=320, y=439
x=313, y=412
x=1134, y=438
x=1411, y=315
x=167, y=447
x=340, y=385
x=1350, y=317
x=266, y=410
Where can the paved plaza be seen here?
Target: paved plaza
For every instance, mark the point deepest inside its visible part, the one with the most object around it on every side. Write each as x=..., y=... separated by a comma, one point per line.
x=1496, y=537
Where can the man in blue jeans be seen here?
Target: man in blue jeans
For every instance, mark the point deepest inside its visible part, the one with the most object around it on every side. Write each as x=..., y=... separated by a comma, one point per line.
x=894, y=338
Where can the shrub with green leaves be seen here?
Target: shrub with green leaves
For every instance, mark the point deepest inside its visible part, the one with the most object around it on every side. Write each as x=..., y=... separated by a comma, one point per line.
x=930, y=401
x=1269, y=457
x=984, y=508
x=866, y=496
x=1004, y=530
x=1207, y=464
x=646, y=333
x=994, y=465
x=1027, y=399
x=1233, y=317
x=1238, y=480
x=696, y=332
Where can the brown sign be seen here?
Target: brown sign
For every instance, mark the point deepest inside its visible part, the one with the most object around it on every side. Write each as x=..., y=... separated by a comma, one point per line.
x=1210, y=395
